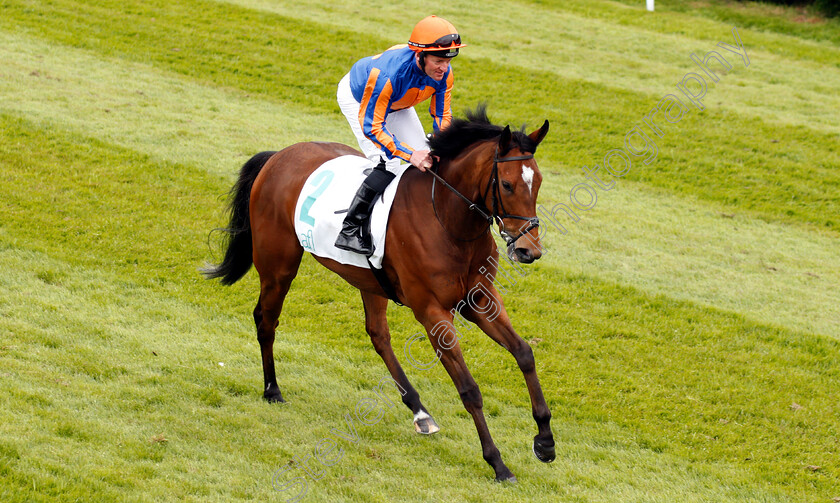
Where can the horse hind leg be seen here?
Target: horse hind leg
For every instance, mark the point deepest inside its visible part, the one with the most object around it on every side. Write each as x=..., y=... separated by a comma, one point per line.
x=274, y=285
x=376, y=325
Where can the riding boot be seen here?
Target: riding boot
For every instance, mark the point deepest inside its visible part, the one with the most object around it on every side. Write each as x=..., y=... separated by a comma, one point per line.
x=355, y=231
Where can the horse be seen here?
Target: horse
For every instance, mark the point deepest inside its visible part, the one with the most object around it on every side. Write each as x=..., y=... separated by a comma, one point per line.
x=438, y=247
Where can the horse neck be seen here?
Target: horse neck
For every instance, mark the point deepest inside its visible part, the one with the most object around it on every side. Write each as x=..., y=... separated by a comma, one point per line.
x=469, y=174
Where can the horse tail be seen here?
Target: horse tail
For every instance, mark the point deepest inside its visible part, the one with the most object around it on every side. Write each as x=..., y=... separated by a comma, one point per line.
x=239, y=255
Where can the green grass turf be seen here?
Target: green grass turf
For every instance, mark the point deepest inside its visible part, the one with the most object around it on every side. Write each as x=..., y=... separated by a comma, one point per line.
x=685, y=330
x=591, y=120
x=783, y=280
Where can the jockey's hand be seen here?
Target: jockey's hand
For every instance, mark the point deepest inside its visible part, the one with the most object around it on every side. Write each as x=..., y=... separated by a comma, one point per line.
x=421, y=159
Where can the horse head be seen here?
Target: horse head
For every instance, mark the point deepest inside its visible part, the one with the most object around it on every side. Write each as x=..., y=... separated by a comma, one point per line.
x=514, y=184
x=495, y=170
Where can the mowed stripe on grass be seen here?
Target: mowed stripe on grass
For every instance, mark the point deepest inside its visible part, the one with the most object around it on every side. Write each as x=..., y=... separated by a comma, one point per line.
x=90, y=380
x=645, y=57
x=599, y=339
x=771, y=272
x=731, y=159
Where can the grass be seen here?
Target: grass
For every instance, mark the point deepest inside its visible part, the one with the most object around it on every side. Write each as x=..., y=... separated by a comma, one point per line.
x=798, y=21
x=567, y=98
x=686, y=329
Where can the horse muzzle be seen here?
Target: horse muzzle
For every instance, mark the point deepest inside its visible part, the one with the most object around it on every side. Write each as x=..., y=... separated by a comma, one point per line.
x=523, y=254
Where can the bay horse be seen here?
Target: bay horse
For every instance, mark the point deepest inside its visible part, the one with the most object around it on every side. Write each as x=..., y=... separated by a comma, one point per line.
x=438, y=245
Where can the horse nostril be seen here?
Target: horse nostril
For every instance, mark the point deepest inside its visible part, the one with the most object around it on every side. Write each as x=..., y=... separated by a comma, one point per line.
x=511, y=252
x=524, y=255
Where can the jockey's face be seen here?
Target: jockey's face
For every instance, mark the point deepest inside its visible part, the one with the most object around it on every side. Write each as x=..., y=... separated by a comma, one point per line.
x=436, y=66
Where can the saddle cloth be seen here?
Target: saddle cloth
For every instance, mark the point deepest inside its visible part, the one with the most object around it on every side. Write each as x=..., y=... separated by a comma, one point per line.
x=331, y=188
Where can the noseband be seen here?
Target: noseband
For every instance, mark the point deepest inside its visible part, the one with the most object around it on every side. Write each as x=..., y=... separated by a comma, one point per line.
x=498, y=213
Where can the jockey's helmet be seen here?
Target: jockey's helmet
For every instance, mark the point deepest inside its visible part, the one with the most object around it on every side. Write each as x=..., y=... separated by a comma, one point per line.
x=436, y=36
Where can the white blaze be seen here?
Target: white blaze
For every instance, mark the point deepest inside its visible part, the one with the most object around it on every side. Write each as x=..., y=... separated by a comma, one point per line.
x=528, y=176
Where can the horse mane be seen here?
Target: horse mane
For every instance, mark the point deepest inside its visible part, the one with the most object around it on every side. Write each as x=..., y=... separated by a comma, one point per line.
x=450, y=142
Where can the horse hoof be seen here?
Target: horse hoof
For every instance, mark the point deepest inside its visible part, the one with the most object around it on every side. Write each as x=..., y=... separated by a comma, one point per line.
x=424, y=424
x=510, y=479
x=544, y=450
x=275, y=397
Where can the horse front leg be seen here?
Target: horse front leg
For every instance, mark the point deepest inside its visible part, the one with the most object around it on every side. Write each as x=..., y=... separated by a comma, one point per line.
x=487, y=311
x=438, y=324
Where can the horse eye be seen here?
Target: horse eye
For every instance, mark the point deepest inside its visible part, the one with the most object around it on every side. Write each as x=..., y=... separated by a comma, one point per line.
x=507, y=186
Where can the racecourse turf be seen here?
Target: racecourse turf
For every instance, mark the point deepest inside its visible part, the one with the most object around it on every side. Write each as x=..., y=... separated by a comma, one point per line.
x=686, y=329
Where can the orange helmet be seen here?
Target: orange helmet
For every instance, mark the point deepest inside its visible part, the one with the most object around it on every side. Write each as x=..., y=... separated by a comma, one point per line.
x=437, y=36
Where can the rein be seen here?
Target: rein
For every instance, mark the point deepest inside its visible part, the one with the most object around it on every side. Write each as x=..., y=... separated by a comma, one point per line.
x=492, y=184
x=471, y=206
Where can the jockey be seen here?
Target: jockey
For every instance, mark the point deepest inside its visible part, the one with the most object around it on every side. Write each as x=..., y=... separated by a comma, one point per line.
x=377, y=97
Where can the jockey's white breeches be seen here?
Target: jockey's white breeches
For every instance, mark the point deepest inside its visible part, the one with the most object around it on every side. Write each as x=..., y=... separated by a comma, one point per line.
x=403, y=124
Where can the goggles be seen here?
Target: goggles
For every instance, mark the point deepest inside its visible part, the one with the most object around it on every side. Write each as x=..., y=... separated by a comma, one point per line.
x=453, y=40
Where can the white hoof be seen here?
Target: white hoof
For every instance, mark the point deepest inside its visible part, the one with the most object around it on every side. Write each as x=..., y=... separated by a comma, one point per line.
x=424, y=424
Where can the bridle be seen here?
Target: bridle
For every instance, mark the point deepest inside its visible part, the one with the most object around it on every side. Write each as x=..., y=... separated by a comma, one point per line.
x=498, y=212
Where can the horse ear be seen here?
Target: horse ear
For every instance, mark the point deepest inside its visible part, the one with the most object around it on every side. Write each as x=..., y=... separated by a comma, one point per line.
x=540, y=133
x=504, y=141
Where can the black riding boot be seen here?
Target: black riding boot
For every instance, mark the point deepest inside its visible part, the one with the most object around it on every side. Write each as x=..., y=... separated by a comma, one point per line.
x=355, y=231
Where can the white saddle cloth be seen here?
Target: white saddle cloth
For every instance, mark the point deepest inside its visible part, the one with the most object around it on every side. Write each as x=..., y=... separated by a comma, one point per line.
x=331, y=188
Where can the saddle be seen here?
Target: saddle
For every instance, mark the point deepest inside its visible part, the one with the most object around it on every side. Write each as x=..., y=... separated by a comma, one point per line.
x=323, y=202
